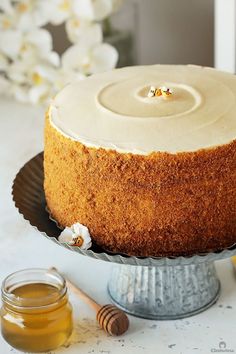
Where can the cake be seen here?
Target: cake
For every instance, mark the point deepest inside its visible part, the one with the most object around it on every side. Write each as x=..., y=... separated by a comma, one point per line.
x=145, y=158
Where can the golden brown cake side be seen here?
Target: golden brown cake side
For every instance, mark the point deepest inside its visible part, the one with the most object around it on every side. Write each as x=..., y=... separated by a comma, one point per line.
x=159, y=204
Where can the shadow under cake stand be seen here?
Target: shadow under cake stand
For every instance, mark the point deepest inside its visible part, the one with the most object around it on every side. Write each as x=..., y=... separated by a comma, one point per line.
x=161, y=288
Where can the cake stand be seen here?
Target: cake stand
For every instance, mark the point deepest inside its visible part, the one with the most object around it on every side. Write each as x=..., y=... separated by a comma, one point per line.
x=161, y=288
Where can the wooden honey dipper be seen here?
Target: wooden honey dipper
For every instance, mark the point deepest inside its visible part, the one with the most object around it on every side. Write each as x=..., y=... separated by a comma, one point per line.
x=113, y=320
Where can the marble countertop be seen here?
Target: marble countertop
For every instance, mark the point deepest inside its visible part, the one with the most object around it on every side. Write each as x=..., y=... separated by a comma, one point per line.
x=21, y=137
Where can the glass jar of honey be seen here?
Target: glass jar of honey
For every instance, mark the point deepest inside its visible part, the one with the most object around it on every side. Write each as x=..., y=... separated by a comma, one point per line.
x=36, y=315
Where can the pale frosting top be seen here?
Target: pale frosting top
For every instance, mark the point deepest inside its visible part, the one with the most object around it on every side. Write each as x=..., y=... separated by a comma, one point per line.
x=112, y=110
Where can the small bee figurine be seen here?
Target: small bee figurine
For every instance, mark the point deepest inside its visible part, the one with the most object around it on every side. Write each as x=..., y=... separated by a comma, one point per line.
x=166, y=92
x=77, y=241
x=161, y=91
x=152, y=91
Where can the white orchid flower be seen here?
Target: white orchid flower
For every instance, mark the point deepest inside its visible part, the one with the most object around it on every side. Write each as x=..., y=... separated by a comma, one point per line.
x=40, y=39
x=7, y=21
x=76, y=58
x=76, y=235
x=83, y=31
x=37, y=42
x=60, y=11
x=41, y=93
x=35, y=95
x=24, y=14
x=93, y=10
x=35, y=68
x=104, y=57
x=33, y=72
x=37, y=13
x=4, y=62
x=88, y=60
x=33, y=83
x=64, y=77
x=10, y=43
x=32, y=13
x=17, y=72
x=6, y=6
x=20, y=93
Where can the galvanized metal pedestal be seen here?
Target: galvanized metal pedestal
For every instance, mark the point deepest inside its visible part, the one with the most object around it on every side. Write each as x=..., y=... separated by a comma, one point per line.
x=160, y=288
x=164, y=292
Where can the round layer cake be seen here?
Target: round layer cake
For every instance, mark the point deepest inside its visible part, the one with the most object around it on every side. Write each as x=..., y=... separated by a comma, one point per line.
x=145, y=157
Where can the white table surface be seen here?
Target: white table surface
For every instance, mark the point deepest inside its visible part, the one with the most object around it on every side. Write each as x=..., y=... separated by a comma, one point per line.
x=21, y=137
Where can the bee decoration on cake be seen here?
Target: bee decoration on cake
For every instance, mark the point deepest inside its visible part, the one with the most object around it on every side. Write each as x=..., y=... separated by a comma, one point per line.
x=152, y=92
x=166, y=92
x=161, y=91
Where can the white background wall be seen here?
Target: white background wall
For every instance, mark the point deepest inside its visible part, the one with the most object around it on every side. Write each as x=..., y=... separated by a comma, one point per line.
x=172, y=31
x=175, y=31
x=225, y=35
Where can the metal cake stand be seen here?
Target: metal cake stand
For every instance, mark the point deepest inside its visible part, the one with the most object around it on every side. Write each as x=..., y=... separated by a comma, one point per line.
x=160, y=288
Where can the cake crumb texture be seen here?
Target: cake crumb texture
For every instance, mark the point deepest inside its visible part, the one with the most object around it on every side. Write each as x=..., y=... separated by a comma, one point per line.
x=159, y=204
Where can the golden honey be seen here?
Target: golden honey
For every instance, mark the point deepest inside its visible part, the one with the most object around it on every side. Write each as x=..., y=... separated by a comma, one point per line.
x=36, y=315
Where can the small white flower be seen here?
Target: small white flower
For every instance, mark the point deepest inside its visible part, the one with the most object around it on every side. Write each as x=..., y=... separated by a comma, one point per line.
x=7, y=21
x=32, y=81
x=64, y=77
x=10, y=42
x=66, y=235
x=83, y=31
x=103, y=57
x=32, y=13
x=4, y=62
x=60, y=11
x=76, y=235
x=87, y=60
x=20, y=93
x=32, y=71
x=6, y=6
x=39, y=39
x=16, y=44
x=93, y=10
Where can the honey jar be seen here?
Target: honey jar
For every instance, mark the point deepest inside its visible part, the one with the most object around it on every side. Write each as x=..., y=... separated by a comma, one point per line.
x=36, y=315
